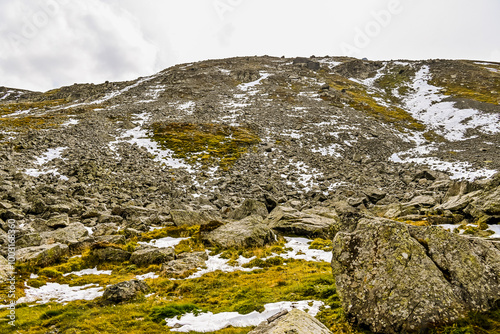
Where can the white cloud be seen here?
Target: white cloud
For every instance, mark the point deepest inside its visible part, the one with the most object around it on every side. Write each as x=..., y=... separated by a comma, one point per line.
x=98, y=40
x=67, y=42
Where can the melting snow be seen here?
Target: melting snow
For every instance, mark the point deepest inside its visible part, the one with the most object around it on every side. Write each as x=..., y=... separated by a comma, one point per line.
x=71, y=121
x=92, y=271
x=426, y=105
x=163, y=242
x=300, y=251
x=60, y=293
x=215, y=263
x=148, y=275
x=139, y=136
x=331, y=150
x=51, y=154
x=249, y=86
x=208, y=322
x=458, y=170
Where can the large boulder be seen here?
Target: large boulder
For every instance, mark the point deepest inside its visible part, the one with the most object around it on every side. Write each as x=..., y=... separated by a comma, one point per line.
x=42, y=256
x=295, y=321
x=248, y=232
x=124, y=291
x=184, y=263
x=154, y=255
x=250, y=207
x=189, y=218
x=395, y=278
x=109, y=254
x=288, y=220
x=71, y=234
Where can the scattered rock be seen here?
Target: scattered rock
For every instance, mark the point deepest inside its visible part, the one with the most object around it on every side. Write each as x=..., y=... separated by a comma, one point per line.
x=5, y=269
x=189, y=218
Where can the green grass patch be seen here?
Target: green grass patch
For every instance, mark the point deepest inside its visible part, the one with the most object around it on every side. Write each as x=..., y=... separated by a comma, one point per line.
x=208, y=144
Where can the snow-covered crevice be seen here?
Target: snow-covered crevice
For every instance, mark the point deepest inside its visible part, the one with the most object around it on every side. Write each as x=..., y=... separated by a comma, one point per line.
x=426, y=105
x=209, y=322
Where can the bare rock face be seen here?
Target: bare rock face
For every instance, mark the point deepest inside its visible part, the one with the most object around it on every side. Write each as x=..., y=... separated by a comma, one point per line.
x=295, y=321
x=397, y=278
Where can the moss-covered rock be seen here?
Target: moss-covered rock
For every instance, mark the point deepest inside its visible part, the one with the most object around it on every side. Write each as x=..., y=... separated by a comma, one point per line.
x=394, y=277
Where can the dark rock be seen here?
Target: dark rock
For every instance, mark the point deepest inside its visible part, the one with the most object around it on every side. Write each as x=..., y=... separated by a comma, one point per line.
x=154, y=255
x=124, y=291
x=248, y=208
x=110, y=254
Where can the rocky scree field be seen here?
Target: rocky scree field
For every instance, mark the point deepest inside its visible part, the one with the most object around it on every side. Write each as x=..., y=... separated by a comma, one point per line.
x=213, y=196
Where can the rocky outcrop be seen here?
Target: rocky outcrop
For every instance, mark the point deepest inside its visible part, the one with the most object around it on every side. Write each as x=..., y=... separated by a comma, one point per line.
x=395, y=278
x=42, y=256
x=248, y=232
x=288, y=220
x=153, y=255
x=295, y=321
x=124, y=291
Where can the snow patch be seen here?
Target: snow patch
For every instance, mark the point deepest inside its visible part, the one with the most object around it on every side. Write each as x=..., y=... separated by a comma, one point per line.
x=426, y=105
x=163, y=242
x=208, y=322
x=140, y=137
x=60, y=293
x=92, y=271
x=150, y=275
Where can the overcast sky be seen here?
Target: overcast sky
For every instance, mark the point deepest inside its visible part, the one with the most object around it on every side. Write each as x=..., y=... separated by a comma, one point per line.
x=46, y=44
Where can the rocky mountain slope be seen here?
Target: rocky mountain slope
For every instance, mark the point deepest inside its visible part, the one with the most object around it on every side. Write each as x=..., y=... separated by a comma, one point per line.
x=238, y=153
